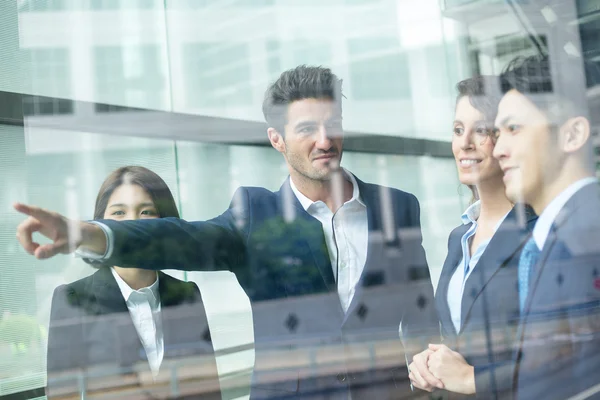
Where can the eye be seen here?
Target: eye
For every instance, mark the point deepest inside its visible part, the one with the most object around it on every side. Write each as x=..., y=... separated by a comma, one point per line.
x=151, y=213
x=118, y=212
x=482, y=131
x=307, y=130
x=458, y=130
x=513, y=128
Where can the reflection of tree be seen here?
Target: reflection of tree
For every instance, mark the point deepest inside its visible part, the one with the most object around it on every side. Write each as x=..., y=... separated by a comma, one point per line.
x=173, y=291
x=282, y=255
x=20, y=343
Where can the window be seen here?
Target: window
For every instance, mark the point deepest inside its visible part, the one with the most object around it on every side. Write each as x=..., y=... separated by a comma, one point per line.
x=121, y=5
x=50, y=78
x=129, y=76
x=191, y=4
x=218, y=74
x=42, y=5
x=378, y=69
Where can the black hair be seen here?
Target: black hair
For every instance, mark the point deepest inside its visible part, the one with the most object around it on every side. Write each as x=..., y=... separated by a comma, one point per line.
x=558, y=99
x=153, y=184
x=302, y=82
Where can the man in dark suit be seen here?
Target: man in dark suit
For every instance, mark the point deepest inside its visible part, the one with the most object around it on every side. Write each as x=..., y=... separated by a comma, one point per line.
x=92, y=331
x=545, y=150
x=342, y=258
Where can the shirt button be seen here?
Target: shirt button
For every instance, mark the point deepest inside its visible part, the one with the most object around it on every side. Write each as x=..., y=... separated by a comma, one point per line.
x=341, y=377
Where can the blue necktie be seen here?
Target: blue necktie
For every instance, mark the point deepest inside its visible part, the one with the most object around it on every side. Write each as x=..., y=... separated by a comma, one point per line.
x=529, y=256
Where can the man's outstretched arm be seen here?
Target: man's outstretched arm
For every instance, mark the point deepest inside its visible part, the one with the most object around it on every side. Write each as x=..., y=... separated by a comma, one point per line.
x=162, y=243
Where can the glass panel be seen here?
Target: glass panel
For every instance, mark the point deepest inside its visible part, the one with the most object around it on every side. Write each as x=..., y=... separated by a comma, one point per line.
x=204, y=139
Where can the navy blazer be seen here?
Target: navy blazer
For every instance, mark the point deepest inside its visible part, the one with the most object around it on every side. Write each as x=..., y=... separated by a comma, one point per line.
x=278, y=252
x=558, y=354
x=490, y=303
x=91, y=330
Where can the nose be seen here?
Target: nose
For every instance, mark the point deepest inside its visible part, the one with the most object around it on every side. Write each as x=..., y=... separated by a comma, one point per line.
x=500, y=149
x=324, y=139
x=132, y=217
x=466, y=141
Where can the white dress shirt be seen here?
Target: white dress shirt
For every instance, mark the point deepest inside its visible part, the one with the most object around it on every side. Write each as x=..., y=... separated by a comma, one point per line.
x=456, y=286
x=144, y=308
x=347, y=236
x=546, y=219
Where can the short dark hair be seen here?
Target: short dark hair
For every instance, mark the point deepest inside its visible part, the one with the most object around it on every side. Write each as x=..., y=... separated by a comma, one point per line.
x=559, y=100
x=149, y=181
x=483, y=92
x=302, y=82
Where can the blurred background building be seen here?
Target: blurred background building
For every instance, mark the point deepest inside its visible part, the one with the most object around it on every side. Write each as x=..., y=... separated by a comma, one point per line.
x=87, y=86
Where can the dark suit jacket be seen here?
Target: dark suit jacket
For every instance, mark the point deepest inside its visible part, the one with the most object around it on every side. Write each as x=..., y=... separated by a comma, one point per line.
x=490, y=303
x=559, y=336
x=278, y=252
x=91, y=329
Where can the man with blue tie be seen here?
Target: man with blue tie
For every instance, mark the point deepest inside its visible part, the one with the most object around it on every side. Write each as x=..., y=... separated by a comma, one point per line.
x=546, y=153
x=349, y=250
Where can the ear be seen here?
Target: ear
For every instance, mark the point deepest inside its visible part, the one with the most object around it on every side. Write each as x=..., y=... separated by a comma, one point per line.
x=576, y=133
x=276, y=140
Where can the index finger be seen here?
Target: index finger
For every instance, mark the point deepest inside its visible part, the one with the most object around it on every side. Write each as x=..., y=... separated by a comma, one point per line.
x=33, y=211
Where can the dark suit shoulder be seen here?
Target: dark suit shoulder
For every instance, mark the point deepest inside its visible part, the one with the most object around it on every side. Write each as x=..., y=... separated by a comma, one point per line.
x=256, y=196
x=456, y=234
x=460, y=229
x=250, y=198
x=398, y=193
x=67, y=303
x=256, y=192
x=80, y=284
x=75, y=293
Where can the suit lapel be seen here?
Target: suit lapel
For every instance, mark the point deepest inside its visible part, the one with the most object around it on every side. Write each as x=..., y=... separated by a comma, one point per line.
x=509, y=238
x=174, y=293
x=110, y=301
x=312, y=234
x=450, y=264
x=552, y=245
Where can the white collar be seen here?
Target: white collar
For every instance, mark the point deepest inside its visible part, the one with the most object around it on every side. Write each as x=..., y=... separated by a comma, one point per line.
x=306, y=202
x=471, y=215
x=126, y=290
x=546, y=219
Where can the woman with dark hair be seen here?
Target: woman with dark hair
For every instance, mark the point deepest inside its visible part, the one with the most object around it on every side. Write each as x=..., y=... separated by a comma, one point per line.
x=477, y=294
x=126, y=321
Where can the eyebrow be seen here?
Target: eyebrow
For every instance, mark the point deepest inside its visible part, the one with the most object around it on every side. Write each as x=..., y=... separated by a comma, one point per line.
x=505, y=120
x=303, y=124
x=124, y=205
x=479, y=121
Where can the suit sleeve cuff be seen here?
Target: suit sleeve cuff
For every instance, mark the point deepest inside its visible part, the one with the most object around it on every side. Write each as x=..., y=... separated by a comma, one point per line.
x=93, y=256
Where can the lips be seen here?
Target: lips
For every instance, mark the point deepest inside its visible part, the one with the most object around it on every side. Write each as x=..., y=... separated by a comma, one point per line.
x=326, y=157
x=507, y=171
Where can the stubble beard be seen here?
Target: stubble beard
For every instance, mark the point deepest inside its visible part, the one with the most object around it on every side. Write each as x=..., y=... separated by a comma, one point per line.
x=309, y=172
